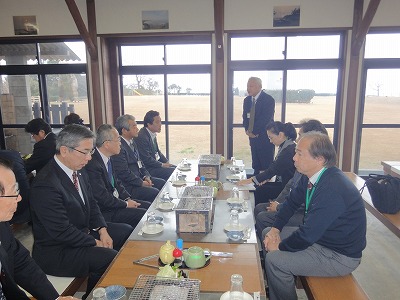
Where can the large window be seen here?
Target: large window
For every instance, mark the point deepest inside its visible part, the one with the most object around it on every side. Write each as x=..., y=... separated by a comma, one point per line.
x=300, y=72
x=380, y=109
x=46, y=80
x=175, y=80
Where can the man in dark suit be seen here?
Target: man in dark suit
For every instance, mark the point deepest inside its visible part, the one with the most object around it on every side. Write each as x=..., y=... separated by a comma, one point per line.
x=113, y=200
x=45, y=146
x=71, y=235
x=23, y=214
x=18, y=268
x=128, y=165
x=258, y=111
x=153, y=159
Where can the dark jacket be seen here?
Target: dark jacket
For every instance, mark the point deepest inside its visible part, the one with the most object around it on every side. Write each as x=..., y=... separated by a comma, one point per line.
x=283, y=166
x=147, y=150
x=101, y=185
x=126, y=167
x=264, y=112
x=20, y=269
x=60, y=218
x=43, y=151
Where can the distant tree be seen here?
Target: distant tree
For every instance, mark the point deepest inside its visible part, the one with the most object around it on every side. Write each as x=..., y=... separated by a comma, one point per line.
x=174, y=89
x=68, y=87
x=34, y=85
x=140, y=81
x=377, y=87
x=152, y=86
x=236, y=91
x=188, y=91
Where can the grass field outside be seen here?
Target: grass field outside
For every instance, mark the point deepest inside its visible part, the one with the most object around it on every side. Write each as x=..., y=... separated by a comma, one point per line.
x=191, y=141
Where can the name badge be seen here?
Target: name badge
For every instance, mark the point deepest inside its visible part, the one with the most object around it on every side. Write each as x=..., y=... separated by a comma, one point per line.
x=115, y=193
x=157, y=156
x=248, y=115
x=140, y=164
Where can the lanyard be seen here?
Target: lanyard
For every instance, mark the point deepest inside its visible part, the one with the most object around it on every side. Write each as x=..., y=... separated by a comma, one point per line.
x=309, y=195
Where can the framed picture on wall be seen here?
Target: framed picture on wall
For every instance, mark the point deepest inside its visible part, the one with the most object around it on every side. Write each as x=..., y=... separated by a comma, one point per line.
x=288, y=15
x=155, y=19
x=25, y=25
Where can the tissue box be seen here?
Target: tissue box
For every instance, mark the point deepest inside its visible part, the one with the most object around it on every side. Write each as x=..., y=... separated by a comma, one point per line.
x=194, y=213
x=209, y=166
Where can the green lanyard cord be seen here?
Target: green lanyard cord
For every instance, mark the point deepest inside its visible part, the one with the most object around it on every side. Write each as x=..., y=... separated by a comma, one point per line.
x=309, y=195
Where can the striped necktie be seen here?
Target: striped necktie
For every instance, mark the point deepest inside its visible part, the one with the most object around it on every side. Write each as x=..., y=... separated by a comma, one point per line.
x=110, y=172
x=75, y=180
x=252, y=113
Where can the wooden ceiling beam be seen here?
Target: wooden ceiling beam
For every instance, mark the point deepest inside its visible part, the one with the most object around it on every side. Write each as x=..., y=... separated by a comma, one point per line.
x=80, y=24
x=361, y=26
x=219, y=28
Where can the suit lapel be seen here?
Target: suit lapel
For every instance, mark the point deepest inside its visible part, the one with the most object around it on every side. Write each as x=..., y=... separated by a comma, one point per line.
x=150, y=141
x=97, y=157
x=69, y=186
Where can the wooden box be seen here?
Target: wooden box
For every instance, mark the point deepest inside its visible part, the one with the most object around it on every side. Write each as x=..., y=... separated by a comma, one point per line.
x=194, y=213
x=209, y=166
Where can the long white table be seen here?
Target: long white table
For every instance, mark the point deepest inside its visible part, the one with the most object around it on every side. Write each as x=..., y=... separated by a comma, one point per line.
x=220, y=219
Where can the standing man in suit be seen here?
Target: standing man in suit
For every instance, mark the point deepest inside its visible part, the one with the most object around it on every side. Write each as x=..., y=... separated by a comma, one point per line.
x=258, y=111
x=71, y=236
x=128, y=165
x=113, y=200
x=153, y=159
x=17, y=266
x=45, y=146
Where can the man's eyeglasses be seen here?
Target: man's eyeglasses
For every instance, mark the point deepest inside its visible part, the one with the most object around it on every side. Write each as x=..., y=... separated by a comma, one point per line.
x=12, y=196
x=84, y=153
x=117, y=140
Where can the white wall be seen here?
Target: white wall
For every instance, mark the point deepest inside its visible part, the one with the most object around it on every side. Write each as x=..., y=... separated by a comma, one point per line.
x=124, y=16
x=258, y=14
x=52, y=16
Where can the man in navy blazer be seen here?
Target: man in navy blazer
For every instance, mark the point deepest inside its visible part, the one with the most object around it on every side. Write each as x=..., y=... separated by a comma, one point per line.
x=128, y=165
x=45, y=146
x=157, y=164
x=113, y=200
x=71, y=237
x=262, y=151
x=17, y=266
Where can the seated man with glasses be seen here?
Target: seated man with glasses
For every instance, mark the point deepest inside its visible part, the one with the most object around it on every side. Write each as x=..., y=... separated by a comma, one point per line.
x=18, y=267
x=114, y=201
x=45, y=145
x=129, y=166
x=71, y=236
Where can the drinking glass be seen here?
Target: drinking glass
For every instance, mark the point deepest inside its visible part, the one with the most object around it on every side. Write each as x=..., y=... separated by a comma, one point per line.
x=236, y=292
x=151, y=220
x=234, y=219
x=235, y=193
